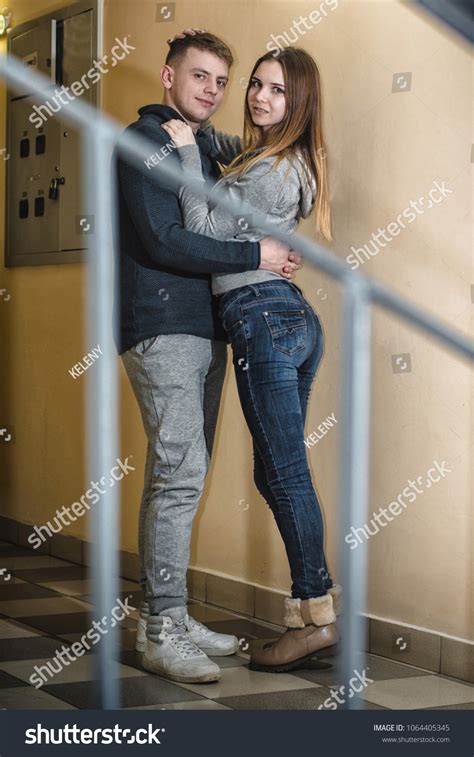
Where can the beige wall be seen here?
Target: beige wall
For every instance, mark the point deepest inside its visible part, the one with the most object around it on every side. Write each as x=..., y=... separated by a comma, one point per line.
x=385, y=150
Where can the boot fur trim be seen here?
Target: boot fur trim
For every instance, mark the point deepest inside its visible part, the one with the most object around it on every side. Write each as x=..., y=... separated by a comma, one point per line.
x=336, y=592
x=316, y=611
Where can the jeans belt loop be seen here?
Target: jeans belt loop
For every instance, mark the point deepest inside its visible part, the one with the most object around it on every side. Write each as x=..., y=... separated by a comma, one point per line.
x=254, y=290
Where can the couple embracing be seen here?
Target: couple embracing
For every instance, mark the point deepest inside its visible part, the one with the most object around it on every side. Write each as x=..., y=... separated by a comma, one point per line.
x=190, y=279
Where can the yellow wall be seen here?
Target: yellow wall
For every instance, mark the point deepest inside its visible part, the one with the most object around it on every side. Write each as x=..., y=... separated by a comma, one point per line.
x=385, y=150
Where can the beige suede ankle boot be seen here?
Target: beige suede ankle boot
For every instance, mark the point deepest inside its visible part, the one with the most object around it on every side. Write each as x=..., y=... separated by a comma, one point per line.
x=311, y=630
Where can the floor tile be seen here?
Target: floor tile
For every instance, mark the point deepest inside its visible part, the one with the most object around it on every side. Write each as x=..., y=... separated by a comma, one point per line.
x=229, y=661
x=28, y=698
x=33, y=611
x=18, y=649
x=70, y=622
x=7, y=681
x=127, y=638
x=62, y=572
x=243, y=628
x=240, y=680
x=134, y=692
x=377, y=668
x=80, y=670
x=14, y=629
x=131, y=658
x=462, y=706
x=299, y=699
x=22, y=608
x=417, y=692
x=453, y=678
x=134, y=598
x=31, y=562
x=23, y=590
x=198, y=704
x=84, y=586
x=12, y=550
x=62, y=623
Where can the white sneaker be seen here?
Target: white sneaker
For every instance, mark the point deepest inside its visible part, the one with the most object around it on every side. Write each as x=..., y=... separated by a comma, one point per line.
x=212, y=643
x=176, y=657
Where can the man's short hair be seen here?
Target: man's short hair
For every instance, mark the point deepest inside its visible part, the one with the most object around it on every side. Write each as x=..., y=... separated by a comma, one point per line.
x=203, y=41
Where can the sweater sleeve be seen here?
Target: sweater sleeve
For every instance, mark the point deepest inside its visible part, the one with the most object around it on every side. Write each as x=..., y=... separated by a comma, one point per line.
x=228, y=146
x=155, y=212
x=259, y=187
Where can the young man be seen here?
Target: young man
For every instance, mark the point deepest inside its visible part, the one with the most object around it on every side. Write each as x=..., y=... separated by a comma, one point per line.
x=174, y=352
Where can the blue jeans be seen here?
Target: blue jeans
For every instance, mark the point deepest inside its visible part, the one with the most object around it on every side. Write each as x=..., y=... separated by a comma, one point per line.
x=277, y=344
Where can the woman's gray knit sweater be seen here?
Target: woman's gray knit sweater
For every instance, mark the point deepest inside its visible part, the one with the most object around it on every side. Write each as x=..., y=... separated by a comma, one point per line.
x=284, y=194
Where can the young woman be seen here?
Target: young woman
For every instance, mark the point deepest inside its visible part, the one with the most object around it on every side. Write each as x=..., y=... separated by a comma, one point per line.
x=279, y=168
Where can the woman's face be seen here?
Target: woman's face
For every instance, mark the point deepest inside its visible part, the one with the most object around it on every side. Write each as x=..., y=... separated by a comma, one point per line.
x=266, y=95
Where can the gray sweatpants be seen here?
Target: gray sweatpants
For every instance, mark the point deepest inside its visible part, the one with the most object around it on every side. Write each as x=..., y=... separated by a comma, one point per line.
x=177, y=380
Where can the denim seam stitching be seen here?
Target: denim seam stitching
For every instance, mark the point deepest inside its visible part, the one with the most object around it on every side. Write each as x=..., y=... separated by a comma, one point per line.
x=276, y=468
x=275, y=335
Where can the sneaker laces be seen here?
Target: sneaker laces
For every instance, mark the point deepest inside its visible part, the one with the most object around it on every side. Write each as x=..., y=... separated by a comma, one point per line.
x=178, y=637
x=194, y=625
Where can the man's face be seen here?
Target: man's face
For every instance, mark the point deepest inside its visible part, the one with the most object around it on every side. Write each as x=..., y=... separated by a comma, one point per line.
x=197, y=84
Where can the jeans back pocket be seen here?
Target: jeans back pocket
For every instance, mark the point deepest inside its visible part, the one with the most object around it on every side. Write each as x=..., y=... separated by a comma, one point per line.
x=287, y=329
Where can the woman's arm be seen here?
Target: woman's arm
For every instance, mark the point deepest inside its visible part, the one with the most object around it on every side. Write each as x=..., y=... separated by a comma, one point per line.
x=260, y=187
x=228, y=146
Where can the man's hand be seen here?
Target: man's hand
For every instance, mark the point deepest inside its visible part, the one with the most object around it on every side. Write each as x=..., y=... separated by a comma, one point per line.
x=277, y=257
x=183, y=34
x=179, y=131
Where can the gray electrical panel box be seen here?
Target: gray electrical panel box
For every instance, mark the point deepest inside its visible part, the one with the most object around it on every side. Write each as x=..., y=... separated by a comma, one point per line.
x=44, y=172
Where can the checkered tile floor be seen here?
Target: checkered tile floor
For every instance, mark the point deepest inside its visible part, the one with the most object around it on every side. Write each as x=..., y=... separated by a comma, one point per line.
x=47, y=603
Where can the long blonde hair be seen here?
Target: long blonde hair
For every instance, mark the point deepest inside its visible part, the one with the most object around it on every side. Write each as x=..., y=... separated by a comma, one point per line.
x=300, y=128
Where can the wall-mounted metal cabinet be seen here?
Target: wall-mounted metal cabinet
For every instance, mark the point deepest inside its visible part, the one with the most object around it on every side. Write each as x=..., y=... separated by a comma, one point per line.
x=44, y=170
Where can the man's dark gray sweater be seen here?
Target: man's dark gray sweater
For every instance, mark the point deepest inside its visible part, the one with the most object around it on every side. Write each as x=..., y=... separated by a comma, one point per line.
x=163, y=271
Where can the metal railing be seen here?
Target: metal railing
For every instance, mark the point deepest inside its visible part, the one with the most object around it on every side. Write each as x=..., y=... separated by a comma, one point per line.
x=360, y=292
